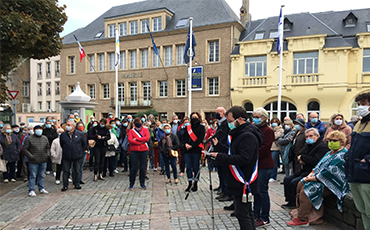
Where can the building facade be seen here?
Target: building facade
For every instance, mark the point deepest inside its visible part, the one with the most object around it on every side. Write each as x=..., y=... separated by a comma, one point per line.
x=145, y=80
x=326, y=64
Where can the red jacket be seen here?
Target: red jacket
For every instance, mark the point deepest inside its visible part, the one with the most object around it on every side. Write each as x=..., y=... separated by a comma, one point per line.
x=210, y=133
x=265, y=160
x=140, y=143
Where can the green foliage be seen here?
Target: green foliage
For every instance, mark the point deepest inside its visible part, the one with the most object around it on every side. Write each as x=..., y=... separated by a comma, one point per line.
x=147, y=112
x=29, y=29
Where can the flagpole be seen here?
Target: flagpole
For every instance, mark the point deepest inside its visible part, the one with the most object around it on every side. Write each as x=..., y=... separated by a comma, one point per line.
x=281, y=37
x=116, y=84
x=190, y=64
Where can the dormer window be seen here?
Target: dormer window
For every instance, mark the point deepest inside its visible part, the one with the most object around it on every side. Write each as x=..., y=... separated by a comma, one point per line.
x=368, y=27
x=98, y=35
x=157, y=24
x=259, y=35
x=144, y=26
x=274, y=34
x=287, y=24
x=182, y=22
x=350, y=20
x=112, y=30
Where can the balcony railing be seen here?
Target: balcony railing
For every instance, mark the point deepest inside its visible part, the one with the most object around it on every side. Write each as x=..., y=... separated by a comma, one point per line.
x=132, y=102
x=255, y=81
x=311, y=78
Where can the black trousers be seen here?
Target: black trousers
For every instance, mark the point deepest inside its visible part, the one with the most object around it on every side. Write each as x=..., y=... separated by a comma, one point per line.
x=67, y=165
x=290, y=188
x=182, y=161
x=99, y=154
x=59, y=170
x=108, y=161
x=244, y=214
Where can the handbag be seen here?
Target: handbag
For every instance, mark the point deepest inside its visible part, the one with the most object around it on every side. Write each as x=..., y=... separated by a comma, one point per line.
x=174, y=153
x=92, y=143
x=111, y=148
x=3, y=165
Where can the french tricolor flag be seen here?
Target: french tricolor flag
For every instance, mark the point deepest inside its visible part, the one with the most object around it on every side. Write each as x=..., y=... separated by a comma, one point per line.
x=82, y=51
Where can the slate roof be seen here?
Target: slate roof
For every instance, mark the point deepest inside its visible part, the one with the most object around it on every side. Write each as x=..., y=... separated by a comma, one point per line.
x=330, y=23
x=204, y=12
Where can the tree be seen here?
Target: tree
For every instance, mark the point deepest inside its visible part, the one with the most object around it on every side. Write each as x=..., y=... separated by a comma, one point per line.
x=147, y=112
x=28, y=29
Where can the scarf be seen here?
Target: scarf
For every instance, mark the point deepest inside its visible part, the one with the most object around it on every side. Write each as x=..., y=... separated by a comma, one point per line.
x=167, y=140
x=330, y=174
x=8, y=139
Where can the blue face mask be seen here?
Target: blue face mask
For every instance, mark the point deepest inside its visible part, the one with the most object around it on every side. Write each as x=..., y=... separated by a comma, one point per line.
x=186, y=124
x=167, y=131
x=274, y=124
x=38, y=132
x=8, y=131
x=257, y=121
x=114, y=125
x=94, y=125
x=54, y=120
x=110, y=116
x=310, y=141
x=72, y=119
x=125, y=124
x=297, y=127
x=231, y=125
x=60, y=134
x=76, y=117
x=314, y=120
x=130, y=119
x=143, y=119
x=1, y=125
x=48, y=126
x=102, y=125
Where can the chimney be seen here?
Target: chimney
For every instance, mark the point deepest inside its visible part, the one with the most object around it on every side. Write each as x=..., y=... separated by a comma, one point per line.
x=244, y=13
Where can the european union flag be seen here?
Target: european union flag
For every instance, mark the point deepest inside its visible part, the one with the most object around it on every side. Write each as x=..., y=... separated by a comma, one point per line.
x=187, y=46
x=154, y=46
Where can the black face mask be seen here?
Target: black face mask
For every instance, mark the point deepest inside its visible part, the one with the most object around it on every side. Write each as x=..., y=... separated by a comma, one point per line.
x=218, y=116
x=195, y=121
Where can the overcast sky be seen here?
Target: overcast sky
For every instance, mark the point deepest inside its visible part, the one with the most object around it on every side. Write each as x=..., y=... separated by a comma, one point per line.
x=81, y=12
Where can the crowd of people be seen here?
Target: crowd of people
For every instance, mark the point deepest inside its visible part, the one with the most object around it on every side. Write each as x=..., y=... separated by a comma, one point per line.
x=247, y=154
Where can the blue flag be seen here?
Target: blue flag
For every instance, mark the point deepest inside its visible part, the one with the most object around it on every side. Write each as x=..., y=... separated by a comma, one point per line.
x=154, y=46
x=280, y=32
x=187, y=46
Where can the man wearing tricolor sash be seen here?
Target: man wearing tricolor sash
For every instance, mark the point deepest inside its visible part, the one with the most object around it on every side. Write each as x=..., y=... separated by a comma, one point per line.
x=244, y=141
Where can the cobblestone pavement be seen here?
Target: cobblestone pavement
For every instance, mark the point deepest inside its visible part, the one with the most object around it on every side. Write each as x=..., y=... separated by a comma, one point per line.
x=109, y=204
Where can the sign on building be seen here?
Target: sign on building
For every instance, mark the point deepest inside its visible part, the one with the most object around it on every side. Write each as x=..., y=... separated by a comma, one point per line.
x=197, y=78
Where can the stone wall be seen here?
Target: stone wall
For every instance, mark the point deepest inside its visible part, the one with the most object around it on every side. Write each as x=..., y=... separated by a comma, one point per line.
x=349, y=219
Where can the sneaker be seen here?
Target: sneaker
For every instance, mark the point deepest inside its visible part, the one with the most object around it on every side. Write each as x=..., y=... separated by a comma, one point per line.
x=70, y=180
x=155, y=169
x=298, y=222
x=271, y=180
x=262, y=223
x=47, y=172
x=143, y=187
x=13, y=180
x=54, y=174
x=115, y=171
x=6, y=181
x=131, y=187
x=57, y=182
x=25, y=179
x=288, y=206
x=32, y=194
x=181, y=174
x=43, y=191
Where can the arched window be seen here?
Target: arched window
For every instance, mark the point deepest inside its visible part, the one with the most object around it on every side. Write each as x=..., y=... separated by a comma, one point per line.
x=249, y=108
x=313, y=106
x=287, y=110
x=354, y=109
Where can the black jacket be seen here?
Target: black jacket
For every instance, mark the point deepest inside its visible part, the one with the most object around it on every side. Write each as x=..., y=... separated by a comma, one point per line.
x=10, y=153
x=246, y=140
x=94, y=132
x=51, y=134
x=164, y=149
x=73, y=149
x=37, y=149
x=222, y=137
x=311, y=155
x=199, y=132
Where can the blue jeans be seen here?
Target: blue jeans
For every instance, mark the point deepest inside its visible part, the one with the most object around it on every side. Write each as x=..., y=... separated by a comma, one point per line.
x=123, y=158
x=192, y=162
x=138, y=158
x=167, y=162
x=262, y=198
x=36, y=172
x=161, y=160
x=275, y=155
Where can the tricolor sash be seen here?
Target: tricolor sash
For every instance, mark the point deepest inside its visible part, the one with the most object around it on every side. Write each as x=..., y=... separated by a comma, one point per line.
x=139, y=135
x=238, y=174
x=194, y=138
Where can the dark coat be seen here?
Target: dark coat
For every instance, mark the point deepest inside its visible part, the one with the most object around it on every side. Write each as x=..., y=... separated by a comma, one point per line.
x=37, y=149
x=246, y=140
x=93, y=134
x=222, y=136
x=73, y=149
x=311, y=155
x=10, y=153
x=265, y=160
x=199, y=132
x=51, y=134
x=299, y=141
x=164, y=149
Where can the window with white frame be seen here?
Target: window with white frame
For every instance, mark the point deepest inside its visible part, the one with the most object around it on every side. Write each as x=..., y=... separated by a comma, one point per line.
x=72, y=65
x=121, y=94
x=48, y=105
x=354, y=109
x=40, y=105
x=39, y=89
x=133, y=59
x=255, y=66
x=305, y=63
x=213, y=51
x=144, y=23
x=105, y=91
x=48, y=89
x=259, y=35
x=313, y=106
x=111, y=61
x=92, y=62
x=92, y=91
x=366, y=61
x=157, y=24
x=112, y=30
x=101, y=62
x=144, y=58
x=57, y=68
x=248, y=106
x=133, y=93
x=287, y=109
x=26, y=89
x=123, y=29
x=180, y=88
x=213, y=86
x=180, y=49
x=48, y=69
x=133, y=27
x=71, y=89
x=156, y=60
x=146, y=93
x=163, y=89
x=122, y=60
x=57, y=88
x=39, y=70
x=168, y=56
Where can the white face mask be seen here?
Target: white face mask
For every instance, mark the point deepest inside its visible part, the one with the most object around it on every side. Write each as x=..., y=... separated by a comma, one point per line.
x=287, y=127
x=175, y=121
x=363, y=111
x=338, y=122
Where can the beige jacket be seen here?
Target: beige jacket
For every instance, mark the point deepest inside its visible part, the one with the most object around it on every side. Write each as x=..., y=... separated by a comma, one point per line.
x=56, y=151
x=112, y=141
x=278, y=131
